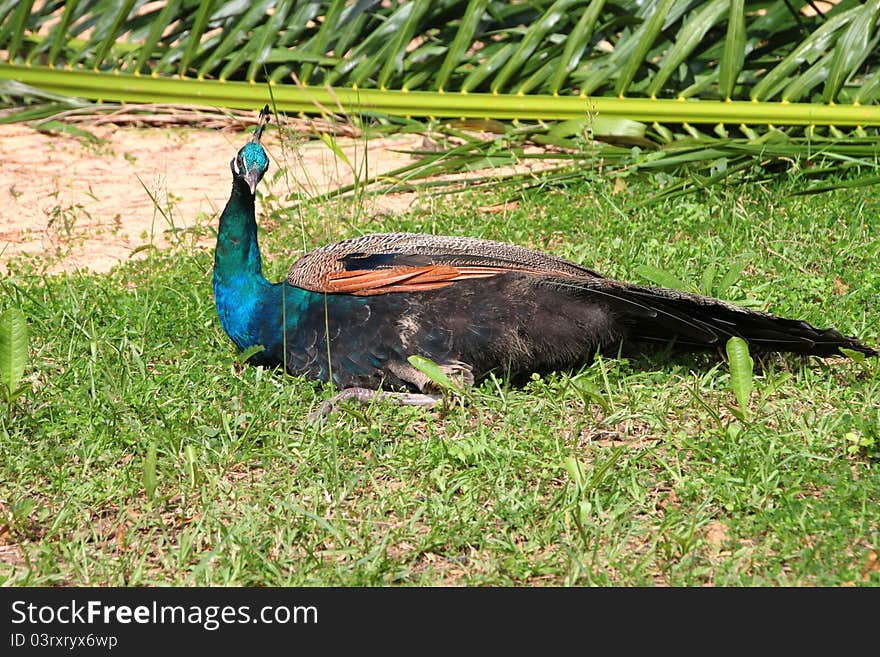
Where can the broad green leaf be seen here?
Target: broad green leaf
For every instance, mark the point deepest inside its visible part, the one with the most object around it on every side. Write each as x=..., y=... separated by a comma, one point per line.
x=67, y=128
x=15, y=27
x=487, y=69
x=707, y=279
x=578, y=475
x=110, y=35
x=233, y=34
x=289, y=55
x=262, y=38
x=366, y=56
x=598, y=125
x=192, y=461
x=59, y=32
x=703, y=83
x=353, y=30
x=433, y=371
x=150, y=480
x=539, y=77
x=293, y=39
x=741, y=366
x=857, y=356
x=13, y=349
x=869, y=91
x=804, y=83
x=591, y=391
x=776, y=19
x=576, y=471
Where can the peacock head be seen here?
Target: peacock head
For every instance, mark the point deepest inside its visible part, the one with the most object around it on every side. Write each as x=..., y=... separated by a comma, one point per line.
x=251, y=162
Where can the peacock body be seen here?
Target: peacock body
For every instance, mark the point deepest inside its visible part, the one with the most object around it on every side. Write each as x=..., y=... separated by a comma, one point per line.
x=354, y=311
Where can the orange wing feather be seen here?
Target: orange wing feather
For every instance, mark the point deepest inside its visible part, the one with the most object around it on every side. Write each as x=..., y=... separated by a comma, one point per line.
x=367, y=282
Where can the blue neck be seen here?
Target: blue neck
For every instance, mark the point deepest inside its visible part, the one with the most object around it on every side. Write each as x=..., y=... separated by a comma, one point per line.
x=246, y=302
x=238, y=251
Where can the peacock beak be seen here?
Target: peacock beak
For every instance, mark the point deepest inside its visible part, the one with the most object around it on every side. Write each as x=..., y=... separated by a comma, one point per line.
x=252, y=178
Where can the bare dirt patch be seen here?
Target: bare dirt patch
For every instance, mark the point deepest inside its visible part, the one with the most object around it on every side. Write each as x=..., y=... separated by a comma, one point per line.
x=91, y=206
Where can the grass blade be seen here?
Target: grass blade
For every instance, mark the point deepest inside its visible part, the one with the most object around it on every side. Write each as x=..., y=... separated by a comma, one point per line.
x=661, y=277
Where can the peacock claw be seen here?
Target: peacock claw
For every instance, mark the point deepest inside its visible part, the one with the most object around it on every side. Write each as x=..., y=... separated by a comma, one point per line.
x=366, y=396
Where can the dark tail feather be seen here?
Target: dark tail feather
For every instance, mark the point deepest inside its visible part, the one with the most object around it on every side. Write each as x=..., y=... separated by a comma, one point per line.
x=659, y=314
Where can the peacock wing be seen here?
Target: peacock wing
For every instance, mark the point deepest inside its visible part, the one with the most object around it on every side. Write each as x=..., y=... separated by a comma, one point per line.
x=406, y=262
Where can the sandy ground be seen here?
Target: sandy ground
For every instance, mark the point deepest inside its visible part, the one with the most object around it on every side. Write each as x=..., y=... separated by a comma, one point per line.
x=91, y=206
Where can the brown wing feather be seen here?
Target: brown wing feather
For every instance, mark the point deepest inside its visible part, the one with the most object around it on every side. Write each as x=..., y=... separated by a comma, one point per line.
x=433, y=258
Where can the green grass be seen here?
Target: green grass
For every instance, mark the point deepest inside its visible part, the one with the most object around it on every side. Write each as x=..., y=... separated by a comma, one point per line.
x=627, y=472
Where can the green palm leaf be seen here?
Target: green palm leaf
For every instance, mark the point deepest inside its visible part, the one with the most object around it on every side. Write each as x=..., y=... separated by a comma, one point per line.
x=742, y=65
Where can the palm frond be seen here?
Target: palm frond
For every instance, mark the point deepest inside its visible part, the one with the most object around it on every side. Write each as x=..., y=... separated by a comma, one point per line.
x=721, y=77
x=749, y=50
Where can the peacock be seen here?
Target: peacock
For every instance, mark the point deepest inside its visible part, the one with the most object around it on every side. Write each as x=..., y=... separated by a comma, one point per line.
x=353, y=312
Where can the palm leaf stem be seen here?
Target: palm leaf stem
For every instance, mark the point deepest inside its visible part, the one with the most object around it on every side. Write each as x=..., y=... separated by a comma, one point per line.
x=122, y=87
